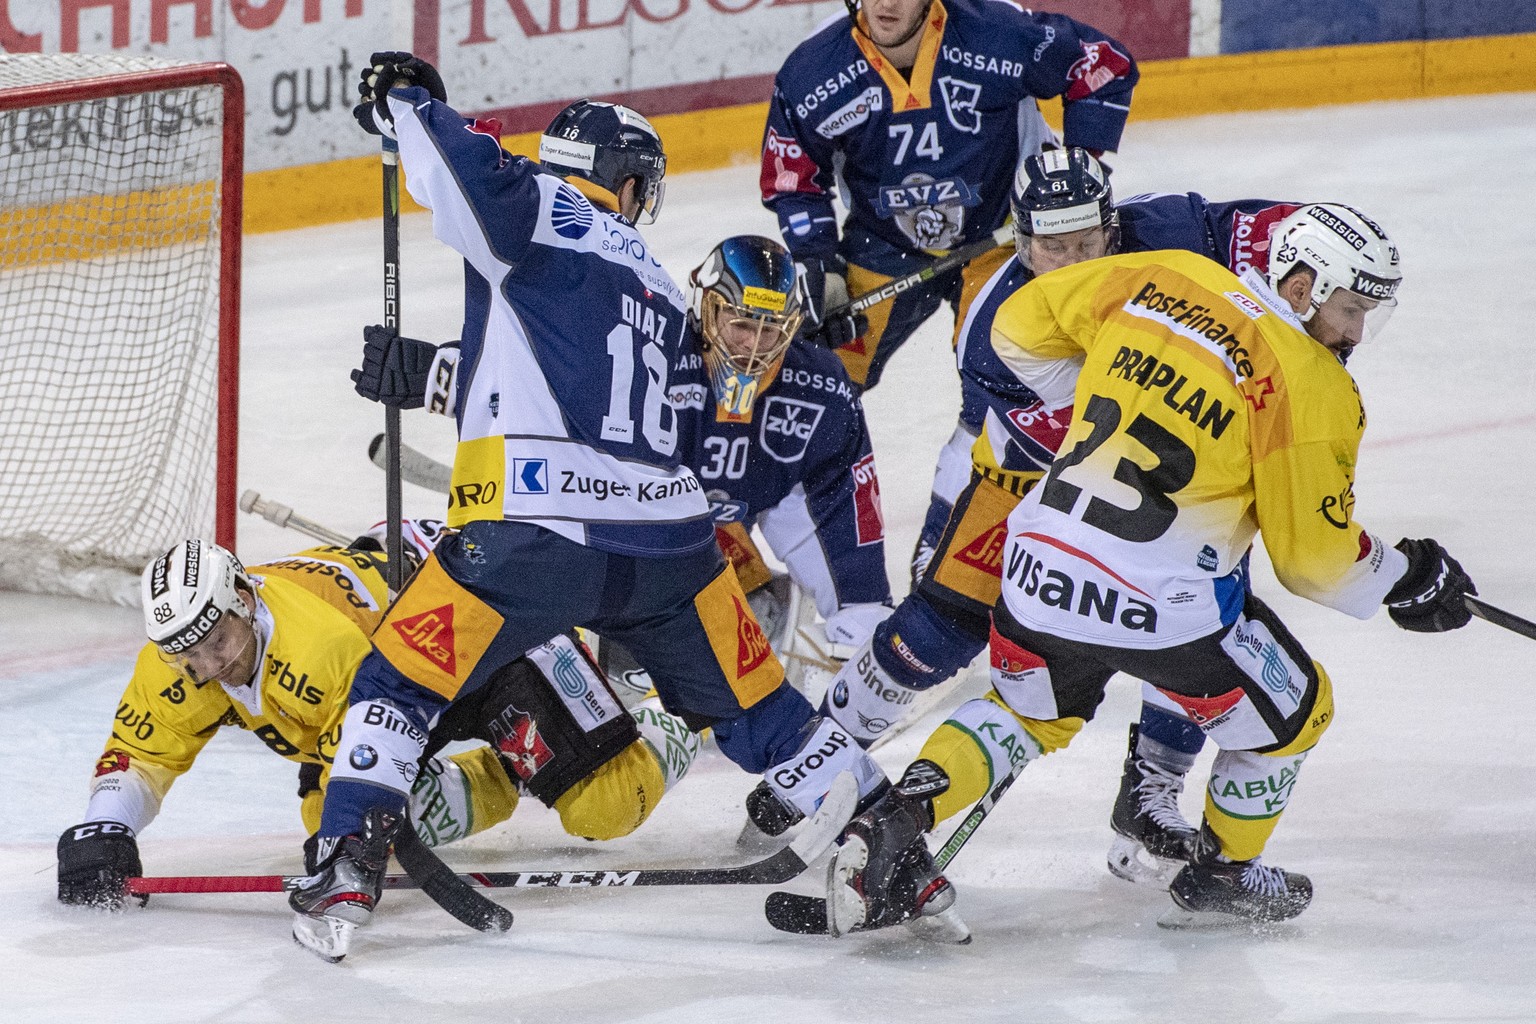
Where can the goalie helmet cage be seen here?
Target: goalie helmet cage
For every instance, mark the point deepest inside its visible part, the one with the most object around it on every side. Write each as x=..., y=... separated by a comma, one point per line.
x=120, y=208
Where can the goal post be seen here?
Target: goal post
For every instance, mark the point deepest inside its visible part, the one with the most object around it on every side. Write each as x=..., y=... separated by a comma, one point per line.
x=120, y=210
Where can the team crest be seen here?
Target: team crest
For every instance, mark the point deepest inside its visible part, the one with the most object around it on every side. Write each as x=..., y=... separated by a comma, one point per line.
x=524, y=749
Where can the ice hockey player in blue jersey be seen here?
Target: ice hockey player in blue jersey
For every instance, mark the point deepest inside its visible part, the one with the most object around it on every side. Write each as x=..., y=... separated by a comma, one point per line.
x=784, y=446
x=571, y=499
x=919, y=110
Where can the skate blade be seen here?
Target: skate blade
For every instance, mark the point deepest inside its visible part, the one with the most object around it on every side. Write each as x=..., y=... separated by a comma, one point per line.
x=845, y=907
x=329, y=938
x=1129, y=860
x=946, y=926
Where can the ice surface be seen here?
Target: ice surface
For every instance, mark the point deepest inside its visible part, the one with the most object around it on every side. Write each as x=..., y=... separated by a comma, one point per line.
x=1415, y=817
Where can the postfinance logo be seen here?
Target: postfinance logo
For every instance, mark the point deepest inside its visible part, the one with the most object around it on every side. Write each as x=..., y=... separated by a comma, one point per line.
x=430, y=634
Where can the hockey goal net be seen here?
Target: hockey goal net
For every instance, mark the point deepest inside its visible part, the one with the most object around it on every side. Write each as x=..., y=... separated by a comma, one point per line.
x=120, y=203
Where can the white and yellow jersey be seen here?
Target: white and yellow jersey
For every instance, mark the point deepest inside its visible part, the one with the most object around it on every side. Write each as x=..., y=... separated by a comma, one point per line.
x=315, y=613
x=1203, y=414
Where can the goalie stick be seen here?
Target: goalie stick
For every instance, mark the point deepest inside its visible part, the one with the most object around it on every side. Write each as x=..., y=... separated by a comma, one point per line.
x=821, y=831
x=415, y=467
x=807, y=915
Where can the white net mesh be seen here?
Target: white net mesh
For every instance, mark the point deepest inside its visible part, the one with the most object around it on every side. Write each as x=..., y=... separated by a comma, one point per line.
x=109, y=323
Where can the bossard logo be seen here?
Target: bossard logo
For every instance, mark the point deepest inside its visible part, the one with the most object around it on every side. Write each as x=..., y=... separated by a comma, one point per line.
x=530, y=476
x=986, y=551
x=751, y=644
x=430, y=634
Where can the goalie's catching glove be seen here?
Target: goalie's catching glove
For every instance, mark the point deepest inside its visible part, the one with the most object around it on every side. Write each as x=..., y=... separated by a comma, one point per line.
x=1429, y=597
x=383, y=72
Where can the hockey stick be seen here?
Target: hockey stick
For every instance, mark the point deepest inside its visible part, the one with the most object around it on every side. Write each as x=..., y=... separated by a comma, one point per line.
x=1001, y=238
x=807, y=915
x=394, y=568
x=282, y=515
x=1499, y=617
x=444, y=887
x=414, y=466
x=821, y=831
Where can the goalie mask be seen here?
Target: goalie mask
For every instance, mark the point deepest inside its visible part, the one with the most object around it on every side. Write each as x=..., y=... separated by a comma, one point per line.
x=194, y=611
x=1063, y=209
x=607, y=144
x=1355, y=266
x=742, y=301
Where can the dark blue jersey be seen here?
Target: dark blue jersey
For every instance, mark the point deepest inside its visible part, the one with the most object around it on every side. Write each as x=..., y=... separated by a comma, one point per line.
x=1234, y=234
x=565, y=392
x=925, y=160
x=802, y=471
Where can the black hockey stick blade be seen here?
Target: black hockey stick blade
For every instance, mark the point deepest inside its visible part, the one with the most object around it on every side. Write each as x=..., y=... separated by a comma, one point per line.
x=1499, y=617
x=415, y=467
x=447, y=889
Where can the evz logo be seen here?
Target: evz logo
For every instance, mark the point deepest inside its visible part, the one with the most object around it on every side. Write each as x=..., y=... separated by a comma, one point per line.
x=960, y=100
x=788, y=424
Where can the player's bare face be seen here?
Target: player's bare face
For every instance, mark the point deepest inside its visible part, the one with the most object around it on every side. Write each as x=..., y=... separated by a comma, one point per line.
x=744, y=338
x=1052, y=252
x=895, y=24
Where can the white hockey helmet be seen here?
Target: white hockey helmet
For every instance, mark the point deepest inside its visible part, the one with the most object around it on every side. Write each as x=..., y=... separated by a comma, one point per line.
x=188, y=591
x=1344, y=249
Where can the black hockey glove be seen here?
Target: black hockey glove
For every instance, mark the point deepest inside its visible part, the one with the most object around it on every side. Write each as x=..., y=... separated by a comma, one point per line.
x=823, y=285
x=1428, y=599
x=385, y=71
x=96, y=860
x=394, y=369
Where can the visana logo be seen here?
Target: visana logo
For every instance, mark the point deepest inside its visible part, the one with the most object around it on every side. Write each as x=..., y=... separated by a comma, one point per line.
x=1056, y=589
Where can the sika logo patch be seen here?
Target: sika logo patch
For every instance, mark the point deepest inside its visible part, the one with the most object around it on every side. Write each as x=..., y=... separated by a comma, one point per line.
x=986, y=551
x=430, y=634
x=751, y=645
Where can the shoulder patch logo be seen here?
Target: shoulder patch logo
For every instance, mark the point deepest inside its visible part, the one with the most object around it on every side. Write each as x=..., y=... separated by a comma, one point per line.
x=430, y=634
x=569, y=214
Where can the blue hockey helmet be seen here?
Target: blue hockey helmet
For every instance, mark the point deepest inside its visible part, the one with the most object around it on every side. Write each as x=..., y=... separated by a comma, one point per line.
x=744, y=304
x=607, y=144
x=1062, y=190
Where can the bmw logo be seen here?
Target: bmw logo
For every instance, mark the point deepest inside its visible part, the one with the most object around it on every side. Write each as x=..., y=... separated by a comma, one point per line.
x=840, y=694
x=363, y=757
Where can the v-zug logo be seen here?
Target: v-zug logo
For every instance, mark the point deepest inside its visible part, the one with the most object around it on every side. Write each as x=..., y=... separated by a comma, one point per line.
x=569, y=214
x=530, y=476
x=788, y=424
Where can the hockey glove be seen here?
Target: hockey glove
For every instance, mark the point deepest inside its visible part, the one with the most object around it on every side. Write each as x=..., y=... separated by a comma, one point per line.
x=96, y=860
x=385, y=71
x=395, y=370
x=823, y=285
x=1428, y=599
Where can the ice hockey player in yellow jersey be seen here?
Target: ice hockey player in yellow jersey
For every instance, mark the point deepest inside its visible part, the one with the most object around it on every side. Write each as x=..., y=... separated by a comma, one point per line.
x=273, y=650
x=1205, y=409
